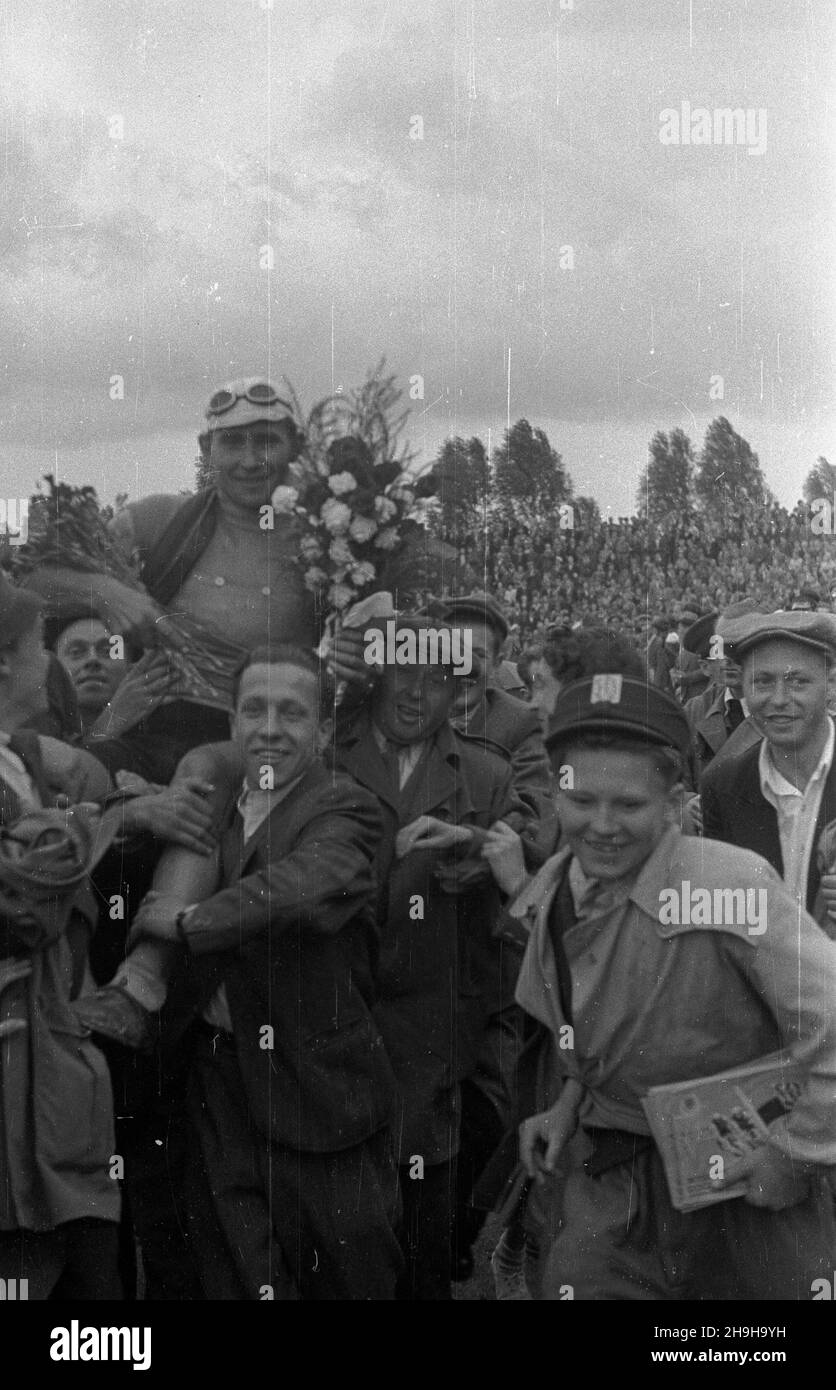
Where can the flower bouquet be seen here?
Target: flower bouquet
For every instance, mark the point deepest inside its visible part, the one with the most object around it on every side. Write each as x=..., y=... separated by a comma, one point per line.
x=361, y=512
x=68, y=528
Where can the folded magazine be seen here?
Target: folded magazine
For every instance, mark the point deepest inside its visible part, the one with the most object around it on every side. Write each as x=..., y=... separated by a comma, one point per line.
x=708, y=1130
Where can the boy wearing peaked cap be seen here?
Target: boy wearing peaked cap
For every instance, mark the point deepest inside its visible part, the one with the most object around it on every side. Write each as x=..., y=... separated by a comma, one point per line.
x=636, y=995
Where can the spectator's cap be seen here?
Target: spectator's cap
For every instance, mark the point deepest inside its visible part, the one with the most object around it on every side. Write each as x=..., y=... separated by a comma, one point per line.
x=817, y=630
x=249, y=401
x=686, y=615
x=806, y=596
x=614, y=704
x=661, y=624
x=698, y=637
x=482, y=607
x=18, y=610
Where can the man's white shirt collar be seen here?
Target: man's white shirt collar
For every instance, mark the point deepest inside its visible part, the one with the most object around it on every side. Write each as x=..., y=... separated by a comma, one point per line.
x=778, y=783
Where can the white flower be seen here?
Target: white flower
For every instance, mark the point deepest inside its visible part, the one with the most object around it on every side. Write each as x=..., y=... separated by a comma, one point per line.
x=387, y=539
x=340, y=551
x=363, y=572
x=315, y=578
x=362, y=529
x=342, y=482
x=309, y=548
x=284, y=498
x=340, y=596
x=336, y=516
x=385, y=508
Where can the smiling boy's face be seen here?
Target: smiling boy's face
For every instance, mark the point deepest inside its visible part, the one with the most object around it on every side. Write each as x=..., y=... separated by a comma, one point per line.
x=617, y=810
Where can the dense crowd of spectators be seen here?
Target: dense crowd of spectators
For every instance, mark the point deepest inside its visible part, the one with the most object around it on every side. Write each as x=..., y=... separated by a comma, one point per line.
x=628, y=572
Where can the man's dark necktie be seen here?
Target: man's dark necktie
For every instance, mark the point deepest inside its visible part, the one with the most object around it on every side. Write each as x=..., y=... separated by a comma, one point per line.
x=734, y=714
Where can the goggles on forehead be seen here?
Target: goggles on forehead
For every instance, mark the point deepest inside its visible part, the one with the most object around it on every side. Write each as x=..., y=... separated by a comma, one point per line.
x=261, y=393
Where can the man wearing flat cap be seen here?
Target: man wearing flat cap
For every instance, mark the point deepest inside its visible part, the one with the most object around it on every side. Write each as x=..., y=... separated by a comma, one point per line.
x=778, y=797
x=443, y=975
x=636, y=995
x=486, y=713
x=483, y=711
x=720, y=716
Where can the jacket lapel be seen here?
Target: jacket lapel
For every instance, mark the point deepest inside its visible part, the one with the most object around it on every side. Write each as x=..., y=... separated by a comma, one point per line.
x=712, y=726
x=360, y=756
x=277, y=828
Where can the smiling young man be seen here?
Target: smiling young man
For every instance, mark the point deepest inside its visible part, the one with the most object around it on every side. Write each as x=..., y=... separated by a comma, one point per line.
x=777, y=796
x=636, y=997
x=290, y=1183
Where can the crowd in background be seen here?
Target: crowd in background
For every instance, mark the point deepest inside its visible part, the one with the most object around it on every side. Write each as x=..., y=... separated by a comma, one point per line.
x=628, y=572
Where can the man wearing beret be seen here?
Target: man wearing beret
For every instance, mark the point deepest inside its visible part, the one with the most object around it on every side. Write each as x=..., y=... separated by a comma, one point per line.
x=778, y=796
x=637, y=996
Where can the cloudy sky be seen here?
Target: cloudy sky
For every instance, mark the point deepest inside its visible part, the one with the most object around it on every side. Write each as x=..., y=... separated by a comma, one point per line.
x=153, y=150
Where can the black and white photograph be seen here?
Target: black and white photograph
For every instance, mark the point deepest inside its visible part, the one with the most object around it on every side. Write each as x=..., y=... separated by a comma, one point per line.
x=417, y=668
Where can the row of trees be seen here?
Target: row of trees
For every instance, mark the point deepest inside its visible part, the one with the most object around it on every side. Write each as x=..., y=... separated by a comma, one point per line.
x=675, y=483
x=523, y=466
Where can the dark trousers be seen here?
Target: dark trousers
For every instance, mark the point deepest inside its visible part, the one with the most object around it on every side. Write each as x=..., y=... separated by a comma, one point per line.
x=77, y=1260
x=152, y=1134
x=265, y=1221
x=427, y=1208
x=617, y=1237
x=481, y=1133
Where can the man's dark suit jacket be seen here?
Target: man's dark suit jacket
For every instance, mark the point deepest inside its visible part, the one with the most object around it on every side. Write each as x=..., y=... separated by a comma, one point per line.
x=503, y=720
x=292, y=936
x=735, y=810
